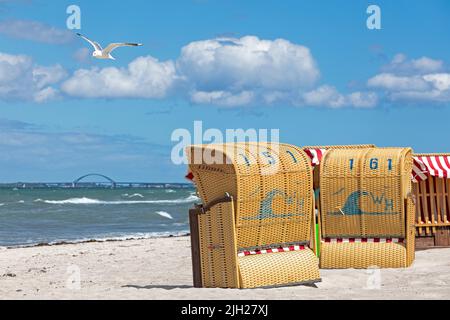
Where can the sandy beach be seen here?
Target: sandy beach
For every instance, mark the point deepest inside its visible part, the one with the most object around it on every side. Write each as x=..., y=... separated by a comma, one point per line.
x=161, y=269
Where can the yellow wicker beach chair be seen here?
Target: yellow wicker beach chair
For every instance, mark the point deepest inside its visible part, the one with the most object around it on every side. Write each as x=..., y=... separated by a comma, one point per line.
x=255, y=224
x=367, y=212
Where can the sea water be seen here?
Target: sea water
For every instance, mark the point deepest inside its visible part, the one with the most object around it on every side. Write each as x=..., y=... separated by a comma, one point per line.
x=52, y=215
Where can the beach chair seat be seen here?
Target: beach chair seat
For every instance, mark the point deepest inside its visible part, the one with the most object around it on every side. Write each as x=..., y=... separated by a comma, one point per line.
x=254, y=227
x=367, y=212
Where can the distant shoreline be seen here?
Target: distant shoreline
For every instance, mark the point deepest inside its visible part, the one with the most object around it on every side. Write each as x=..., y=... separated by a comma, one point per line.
x=75, y=242
x=95, y=185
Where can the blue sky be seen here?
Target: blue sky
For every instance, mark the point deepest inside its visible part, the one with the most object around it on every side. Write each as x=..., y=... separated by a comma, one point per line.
x=309, y=68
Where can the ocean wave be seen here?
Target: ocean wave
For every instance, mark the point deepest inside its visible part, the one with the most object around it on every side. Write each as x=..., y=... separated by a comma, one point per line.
x=21, y=201
x=2, y=204
x=134, y=195
x=164, y=214
x=85, y=200
x=170, y=191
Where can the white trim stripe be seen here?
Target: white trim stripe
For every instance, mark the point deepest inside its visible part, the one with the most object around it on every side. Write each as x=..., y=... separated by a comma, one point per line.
x=271, y=250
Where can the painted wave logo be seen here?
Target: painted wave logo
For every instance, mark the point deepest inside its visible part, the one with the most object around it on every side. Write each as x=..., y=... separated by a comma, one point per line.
x=266, y=207
x=352, y=205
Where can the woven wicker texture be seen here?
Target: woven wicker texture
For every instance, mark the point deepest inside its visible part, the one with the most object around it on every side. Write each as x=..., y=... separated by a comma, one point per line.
x=272, y=188
x=362, y=255
x=218, y=247
x=364, y=193
x=350, y=146
x=278, y=268
x=316, y=172
x=271, y=185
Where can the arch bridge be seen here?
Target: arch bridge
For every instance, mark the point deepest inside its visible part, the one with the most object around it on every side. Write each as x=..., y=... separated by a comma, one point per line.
x=75, y=182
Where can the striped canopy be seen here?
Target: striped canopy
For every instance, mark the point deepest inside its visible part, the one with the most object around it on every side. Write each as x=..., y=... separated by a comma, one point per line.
x=431, y=165
x=315, y=155
x=424, y=165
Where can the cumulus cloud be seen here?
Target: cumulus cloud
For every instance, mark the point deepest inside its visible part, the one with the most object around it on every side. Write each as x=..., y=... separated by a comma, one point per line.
x=413, y=80
x=400, y=64
x=394, y=82
x=329, y=96
x=21, y=79
x=226, y=72
x=222, y=98
x=145, y=77
x=247, y=63
x=35, y=31
x=241, y=70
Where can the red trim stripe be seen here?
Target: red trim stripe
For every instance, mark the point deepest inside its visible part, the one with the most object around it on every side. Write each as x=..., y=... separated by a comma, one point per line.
x=271, y=250
x=189, y=176
x=363, y=240
x=315, y=155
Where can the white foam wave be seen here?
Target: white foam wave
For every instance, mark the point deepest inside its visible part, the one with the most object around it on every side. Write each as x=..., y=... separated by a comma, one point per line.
x=2, y=204
x=164, y=214
x=134, y=195
x=21, y=201
x=85, y=200
x=170, y=191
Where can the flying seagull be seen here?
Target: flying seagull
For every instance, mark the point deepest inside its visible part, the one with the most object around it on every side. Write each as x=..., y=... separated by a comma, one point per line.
x=101, y=53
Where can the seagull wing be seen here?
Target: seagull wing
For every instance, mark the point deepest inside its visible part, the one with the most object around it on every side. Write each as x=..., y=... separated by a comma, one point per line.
x=96, y=45
x=113, y=46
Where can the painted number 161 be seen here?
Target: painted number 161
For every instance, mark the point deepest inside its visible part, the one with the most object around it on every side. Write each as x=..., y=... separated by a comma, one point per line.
x=373, y=163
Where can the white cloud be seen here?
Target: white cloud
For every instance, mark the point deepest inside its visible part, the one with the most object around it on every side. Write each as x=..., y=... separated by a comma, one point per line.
x=441, y=81
x=363, y=99
x=324, y=96
x=44, y=76
x=46, y=94
x=224, y=71
x=21, y=79
x=247, y=63
x=394, y=82
x=35, y=31
x=415, y=80
x=329, y=96
x=222, y=98
x=145, y=77
x=400, y=64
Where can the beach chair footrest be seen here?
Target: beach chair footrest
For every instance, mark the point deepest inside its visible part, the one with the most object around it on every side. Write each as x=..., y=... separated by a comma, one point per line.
x=362, y=255
x=277, y=269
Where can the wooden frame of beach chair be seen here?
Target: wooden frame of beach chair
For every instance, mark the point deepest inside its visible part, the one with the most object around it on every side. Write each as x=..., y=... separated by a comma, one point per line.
x=432, y=196
x=254, y=228
x=367, y=209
